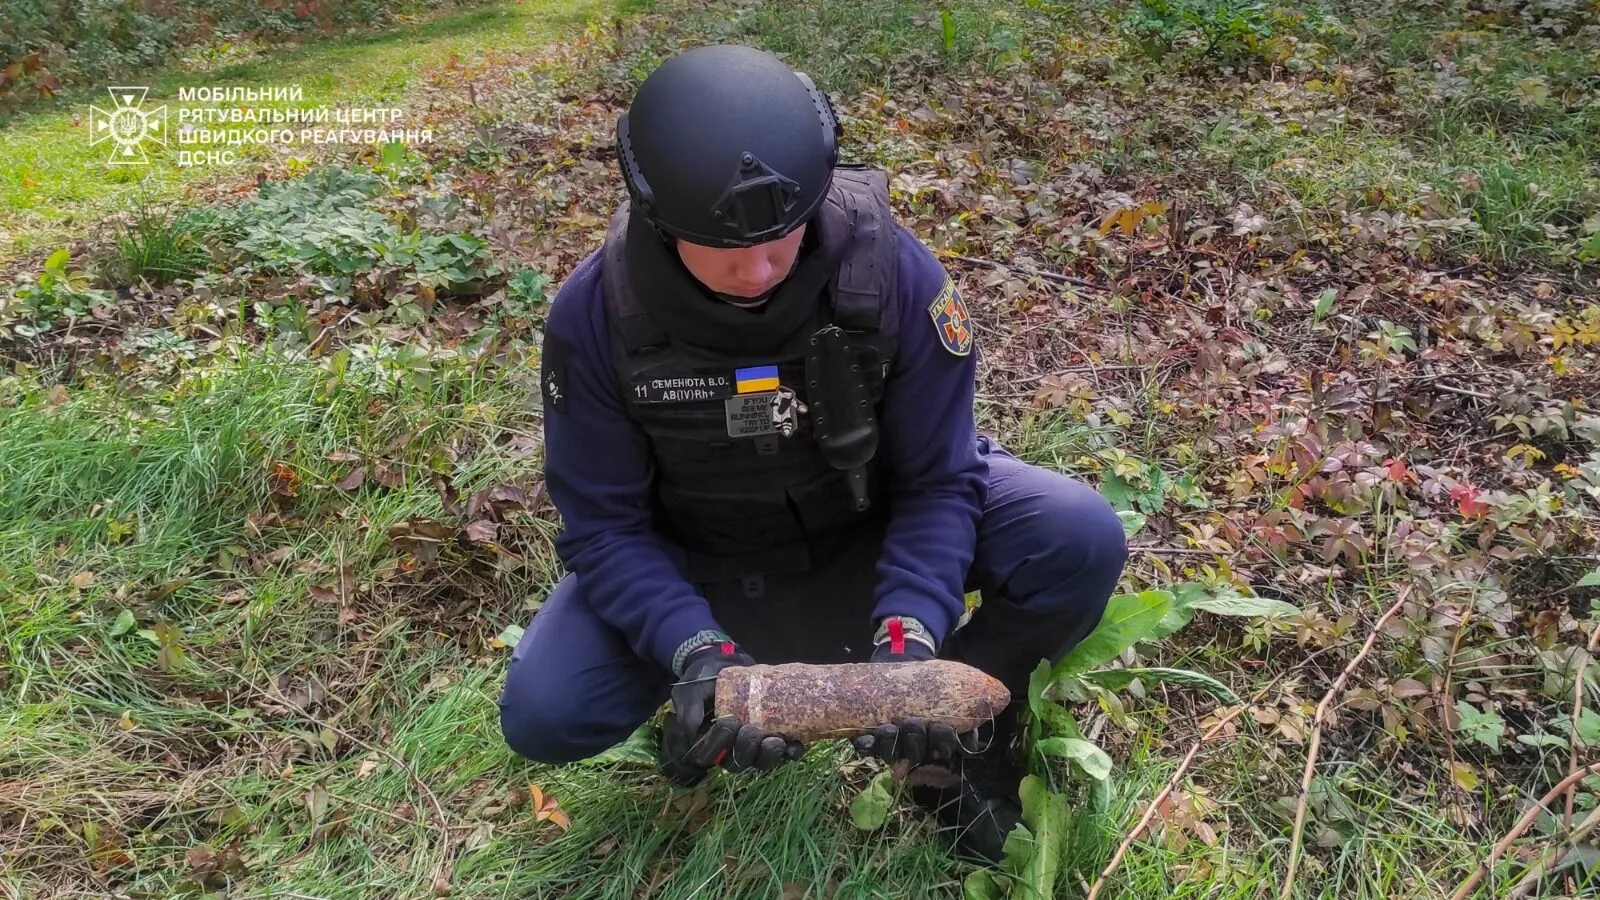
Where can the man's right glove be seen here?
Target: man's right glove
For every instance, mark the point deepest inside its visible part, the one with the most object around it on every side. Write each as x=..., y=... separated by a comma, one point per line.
x=689, y=749
x=904, y=639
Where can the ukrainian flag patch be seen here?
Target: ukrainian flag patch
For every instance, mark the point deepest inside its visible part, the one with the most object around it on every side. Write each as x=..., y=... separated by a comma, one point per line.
x=755, y=378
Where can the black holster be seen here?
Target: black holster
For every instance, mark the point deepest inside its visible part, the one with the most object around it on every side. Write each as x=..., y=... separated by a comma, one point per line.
x=842, y=410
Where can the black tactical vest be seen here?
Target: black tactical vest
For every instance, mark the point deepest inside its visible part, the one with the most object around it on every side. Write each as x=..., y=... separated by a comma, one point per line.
x=746, y=433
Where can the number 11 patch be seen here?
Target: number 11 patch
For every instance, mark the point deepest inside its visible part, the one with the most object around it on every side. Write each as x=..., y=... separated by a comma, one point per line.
x=951, y=321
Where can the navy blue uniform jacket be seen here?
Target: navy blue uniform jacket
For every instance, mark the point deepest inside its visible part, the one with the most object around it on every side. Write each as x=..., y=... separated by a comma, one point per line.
x=599, y=472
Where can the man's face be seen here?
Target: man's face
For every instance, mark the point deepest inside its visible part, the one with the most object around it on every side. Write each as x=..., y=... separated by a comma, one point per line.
x=743, y=271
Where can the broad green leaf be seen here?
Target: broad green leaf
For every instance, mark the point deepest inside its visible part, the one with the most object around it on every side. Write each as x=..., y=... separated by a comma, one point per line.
x=1117, y=679
x=640, y=747
x=1589, y=727
x=1176, y=619
x=980, y=885
x=1590, y=580
x=1048, y=818
x=1099, y=798
x=124, y=623
x=1128, y=619
x=1131, y=521
x=870, y=809
x=947, y=28
x=1240, y=605
x=1542, y=740
x=1094, y=761
x=1483, y=727
x=1038, y=682
x=57, y=260
x=1058, y=721
x=509, y=636
x=1018, y=850
x=1325, y=302
x=1184, y=597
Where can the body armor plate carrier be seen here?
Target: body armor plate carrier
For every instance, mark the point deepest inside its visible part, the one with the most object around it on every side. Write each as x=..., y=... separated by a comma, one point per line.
x=765, y=446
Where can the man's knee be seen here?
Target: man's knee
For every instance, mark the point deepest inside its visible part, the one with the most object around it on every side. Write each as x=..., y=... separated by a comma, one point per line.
x=1085, y=520
x=1077, y=540
x=546, y=724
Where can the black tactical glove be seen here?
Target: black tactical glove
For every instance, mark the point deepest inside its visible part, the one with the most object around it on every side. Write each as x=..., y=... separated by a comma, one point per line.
x=904, y=639
x=689, y=749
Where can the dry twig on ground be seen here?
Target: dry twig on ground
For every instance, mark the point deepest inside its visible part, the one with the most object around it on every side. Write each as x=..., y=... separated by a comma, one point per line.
x=1466, y=888
x=1150, y=811
x=1577, y=713
x=1316, y=743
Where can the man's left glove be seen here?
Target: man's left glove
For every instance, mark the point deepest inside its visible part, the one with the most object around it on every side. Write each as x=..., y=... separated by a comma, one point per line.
x=689, y=749
x=904, y=639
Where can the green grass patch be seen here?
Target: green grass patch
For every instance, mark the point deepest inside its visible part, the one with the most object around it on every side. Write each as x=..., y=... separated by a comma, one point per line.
x=158, y=649
x=850, y=47
x=52, y=181
x=1497, y=196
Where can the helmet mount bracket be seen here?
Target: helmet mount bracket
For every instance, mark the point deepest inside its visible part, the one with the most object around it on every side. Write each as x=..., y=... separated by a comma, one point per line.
x=756, y=196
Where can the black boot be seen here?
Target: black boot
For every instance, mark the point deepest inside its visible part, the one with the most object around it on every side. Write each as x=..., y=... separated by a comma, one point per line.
x=983, y=807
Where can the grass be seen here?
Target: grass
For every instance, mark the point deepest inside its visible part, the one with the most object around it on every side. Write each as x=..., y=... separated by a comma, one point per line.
x=184, y=470
x=121, y=731
x=53, y=182
x=160, y=246
x=201, y=633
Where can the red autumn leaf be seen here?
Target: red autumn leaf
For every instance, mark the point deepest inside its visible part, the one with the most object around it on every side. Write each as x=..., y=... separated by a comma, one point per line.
x=1396, y=468
x=1466, y=497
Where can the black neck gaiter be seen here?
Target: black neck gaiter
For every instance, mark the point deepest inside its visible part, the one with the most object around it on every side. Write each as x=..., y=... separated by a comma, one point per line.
x=690, y=313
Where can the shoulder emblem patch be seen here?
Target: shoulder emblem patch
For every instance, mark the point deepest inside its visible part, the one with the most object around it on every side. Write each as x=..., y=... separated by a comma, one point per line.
x=951, y=321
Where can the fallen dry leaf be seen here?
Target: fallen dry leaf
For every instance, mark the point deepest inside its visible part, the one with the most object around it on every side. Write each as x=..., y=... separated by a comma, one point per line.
x=545, y=808
x=353, y=480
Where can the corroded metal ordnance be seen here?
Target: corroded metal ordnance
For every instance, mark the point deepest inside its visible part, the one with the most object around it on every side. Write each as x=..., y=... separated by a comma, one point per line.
x=808, y=702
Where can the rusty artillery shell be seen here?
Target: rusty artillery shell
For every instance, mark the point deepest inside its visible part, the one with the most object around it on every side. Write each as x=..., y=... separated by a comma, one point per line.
x=806, y=702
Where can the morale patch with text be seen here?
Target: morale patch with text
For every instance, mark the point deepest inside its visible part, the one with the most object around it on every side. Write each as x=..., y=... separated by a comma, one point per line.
x=951, y=320
x=750, y=415
x=681, y=388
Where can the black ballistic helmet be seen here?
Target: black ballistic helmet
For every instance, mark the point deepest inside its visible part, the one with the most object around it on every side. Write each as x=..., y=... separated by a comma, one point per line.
x=727, y=146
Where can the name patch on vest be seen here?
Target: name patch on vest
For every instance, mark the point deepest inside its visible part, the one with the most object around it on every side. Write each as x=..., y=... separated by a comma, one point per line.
x=750, y=415
x=681, y=388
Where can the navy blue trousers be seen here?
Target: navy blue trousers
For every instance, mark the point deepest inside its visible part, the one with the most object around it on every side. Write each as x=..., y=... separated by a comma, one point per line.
x=1050, y=551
